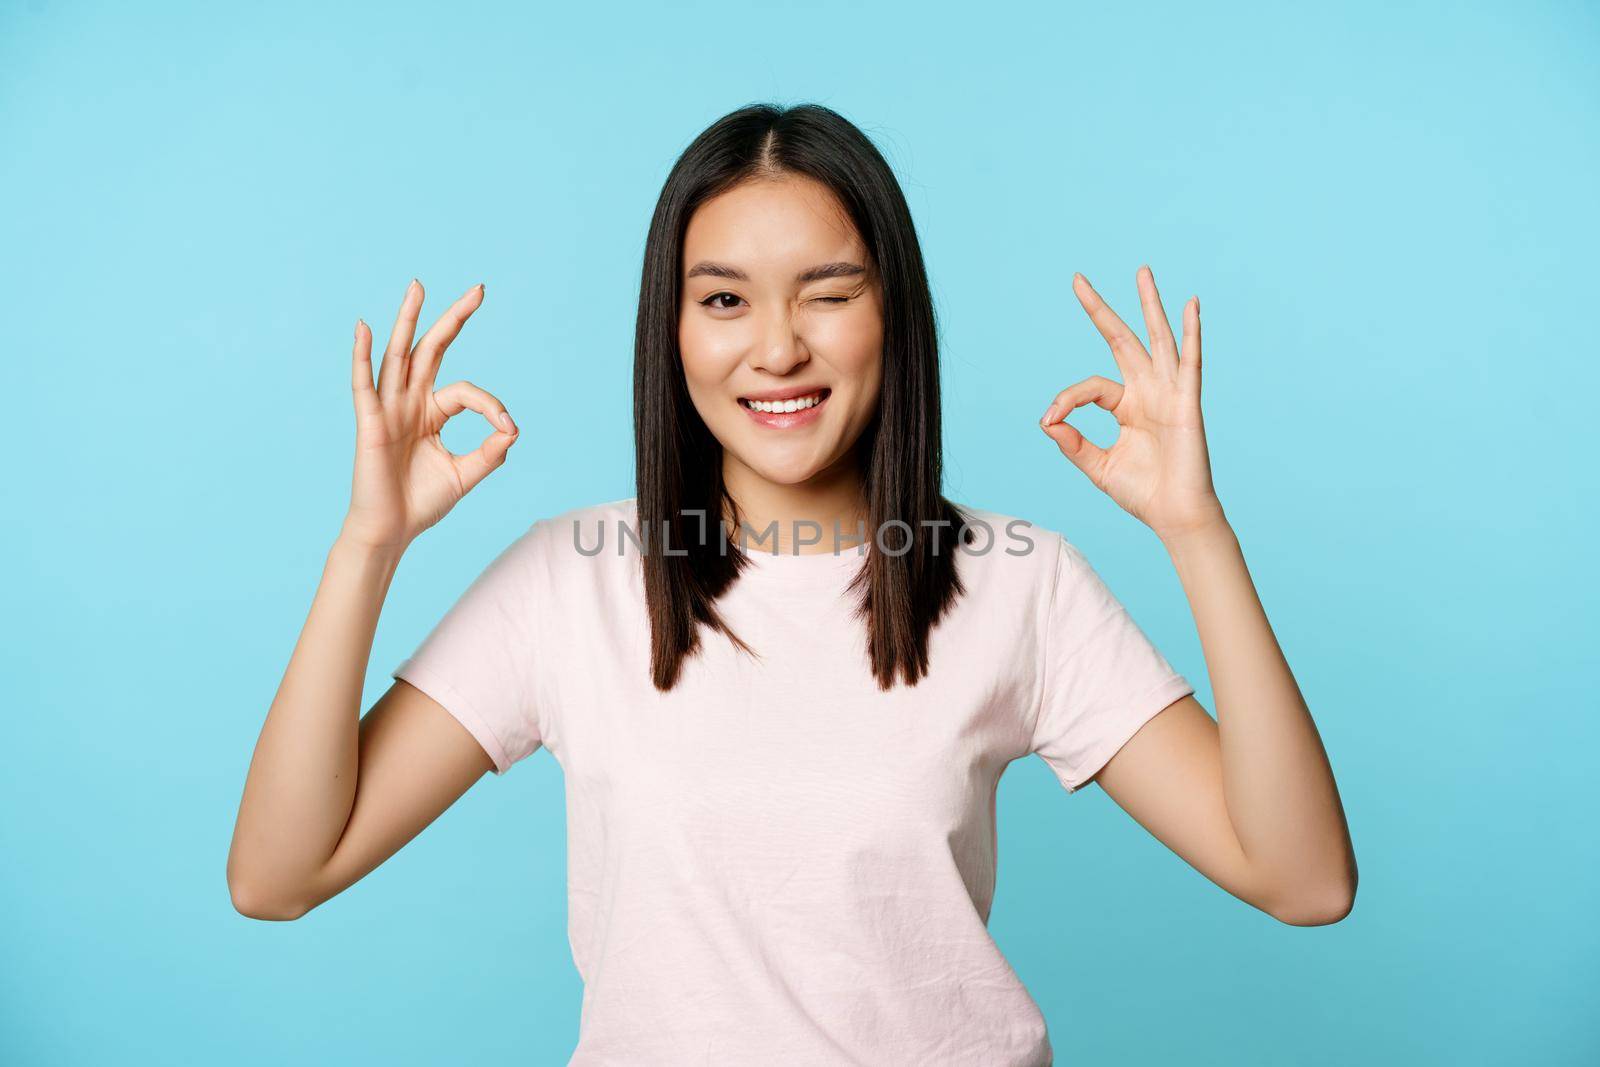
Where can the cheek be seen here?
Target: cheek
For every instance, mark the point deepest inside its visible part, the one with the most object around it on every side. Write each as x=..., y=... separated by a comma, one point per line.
x=708, y=355
x=854, y=346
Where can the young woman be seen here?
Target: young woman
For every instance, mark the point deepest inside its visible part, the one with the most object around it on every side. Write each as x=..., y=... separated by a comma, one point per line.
x=784, y=679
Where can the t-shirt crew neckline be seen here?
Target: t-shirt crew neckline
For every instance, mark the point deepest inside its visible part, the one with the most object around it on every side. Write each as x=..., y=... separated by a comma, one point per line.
x=784, y=564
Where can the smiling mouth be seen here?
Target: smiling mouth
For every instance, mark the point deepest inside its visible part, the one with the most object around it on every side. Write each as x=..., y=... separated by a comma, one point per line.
x=788, y=405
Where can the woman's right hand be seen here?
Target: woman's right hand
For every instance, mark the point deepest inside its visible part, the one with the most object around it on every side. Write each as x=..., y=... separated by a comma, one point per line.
x=405, y=479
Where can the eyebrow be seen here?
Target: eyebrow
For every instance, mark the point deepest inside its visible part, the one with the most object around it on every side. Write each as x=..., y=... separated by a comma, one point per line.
x=810, y=274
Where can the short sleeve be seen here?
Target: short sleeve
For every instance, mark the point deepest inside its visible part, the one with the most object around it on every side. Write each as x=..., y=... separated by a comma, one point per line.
x=479, y=659
x=1102, y=677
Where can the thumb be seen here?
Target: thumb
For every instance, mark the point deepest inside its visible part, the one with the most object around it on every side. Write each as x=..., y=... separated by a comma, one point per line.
x=1085, y=454
x=476, y=465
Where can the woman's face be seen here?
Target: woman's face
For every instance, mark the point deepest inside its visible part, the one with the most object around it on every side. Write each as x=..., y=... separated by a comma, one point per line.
x=780, y=303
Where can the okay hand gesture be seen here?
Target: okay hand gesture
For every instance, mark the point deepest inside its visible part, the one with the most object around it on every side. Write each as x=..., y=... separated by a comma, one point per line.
x=1158, y=468
x=405, y=479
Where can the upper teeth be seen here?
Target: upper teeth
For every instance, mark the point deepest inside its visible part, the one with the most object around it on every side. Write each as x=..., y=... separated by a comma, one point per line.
x=792, y=404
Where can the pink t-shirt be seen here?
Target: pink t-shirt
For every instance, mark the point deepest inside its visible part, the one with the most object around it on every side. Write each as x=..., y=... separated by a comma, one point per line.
x=778, y=862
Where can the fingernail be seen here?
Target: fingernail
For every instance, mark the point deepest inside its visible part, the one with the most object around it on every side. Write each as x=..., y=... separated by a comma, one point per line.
x=358, y=328
x=505, y=420
x=1197, y=304
x=1049, y=415
x=413, y=285
x=481, y=290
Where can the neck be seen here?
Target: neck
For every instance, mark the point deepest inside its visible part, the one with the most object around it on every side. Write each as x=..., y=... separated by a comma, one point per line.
x=834, y=495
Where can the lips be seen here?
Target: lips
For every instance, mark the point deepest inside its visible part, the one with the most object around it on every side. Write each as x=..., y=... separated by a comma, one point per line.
x=786, y=400
x=785, y=409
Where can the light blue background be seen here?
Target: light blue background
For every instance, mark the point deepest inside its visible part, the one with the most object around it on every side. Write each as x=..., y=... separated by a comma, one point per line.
x=1389, y=214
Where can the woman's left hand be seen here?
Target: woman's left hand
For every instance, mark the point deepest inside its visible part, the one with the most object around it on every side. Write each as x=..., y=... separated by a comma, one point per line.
x=1158, y=468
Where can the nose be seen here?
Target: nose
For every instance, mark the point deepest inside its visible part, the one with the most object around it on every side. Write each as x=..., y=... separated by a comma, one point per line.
x=778, y=348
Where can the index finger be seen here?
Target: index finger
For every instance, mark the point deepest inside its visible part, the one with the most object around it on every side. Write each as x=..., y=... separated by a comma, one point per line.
x=1130, y=355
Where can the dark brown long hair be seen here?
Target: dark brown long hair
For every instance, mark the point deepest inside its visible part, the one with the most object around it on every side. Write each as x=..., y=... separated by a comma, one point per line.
x=682, y=501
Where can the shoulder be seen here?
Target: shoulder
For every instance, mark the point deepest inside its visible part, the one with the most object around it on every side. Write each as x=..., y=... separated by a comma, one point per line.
x=579, y=539
x=588, y=515
x=1027, y=558
x=1007, y=563
x=1012, y=543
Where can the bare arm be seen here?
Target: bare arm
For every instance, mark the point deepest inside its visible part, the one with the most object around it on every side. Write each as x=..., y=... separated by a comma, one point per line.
x=1249, y=799
x=330, y=795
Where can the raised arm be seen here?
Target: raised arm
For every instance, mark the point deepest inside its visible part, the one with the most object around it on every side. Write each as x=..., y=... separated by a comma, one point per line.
x=329, y=794
x=1249, y=799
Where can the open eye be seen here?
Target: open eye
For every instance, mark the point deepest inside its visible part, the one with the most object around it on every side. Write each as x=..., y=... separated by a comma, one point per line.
x=710, y=301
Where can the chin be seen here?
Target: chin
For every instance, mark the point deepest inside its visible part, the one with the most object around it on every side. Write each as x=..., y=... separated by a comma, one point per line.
x=783, y=470
x=788, y=474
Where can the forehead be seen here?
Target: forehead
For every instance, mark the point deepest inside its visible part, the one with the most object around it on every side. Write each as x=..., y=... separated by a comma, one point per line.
x=773, y=225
